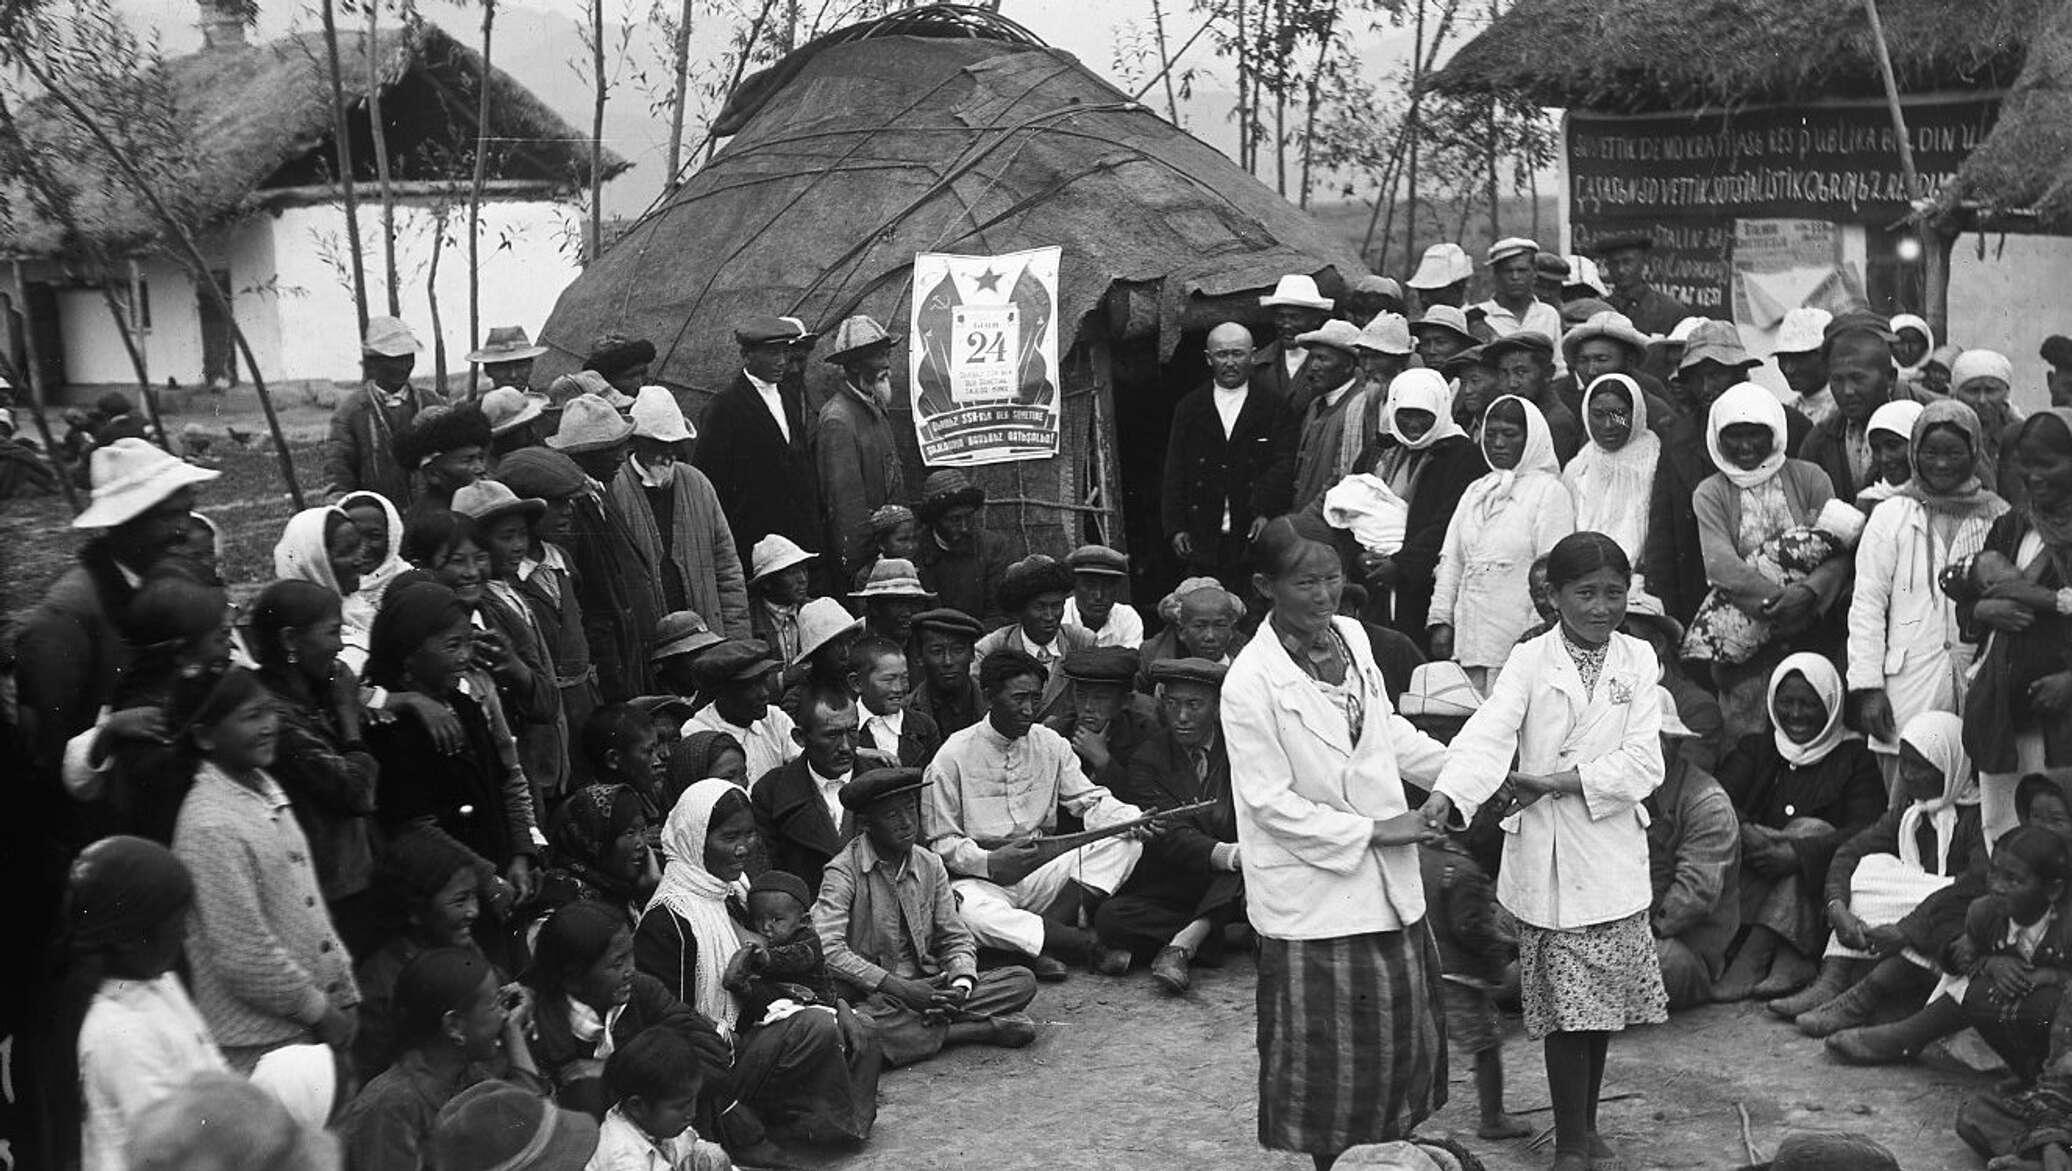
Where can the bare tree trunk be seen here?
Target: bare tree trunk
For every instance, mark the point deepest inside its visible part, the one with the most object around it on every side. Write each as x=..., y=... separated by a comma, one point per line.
x=475, y=200
x=1416, y=132
x=679, y=97
x=1246, y=156
x=1532, y=179
x=1165, y=59
x=121, y=314
x=1496, y=230
x=190, y=254
x=39, y=400
x=342, y=136
x=431, y=296
x=381, y=159
x=1314, y=98
x=1283, y=46
x=597, y=130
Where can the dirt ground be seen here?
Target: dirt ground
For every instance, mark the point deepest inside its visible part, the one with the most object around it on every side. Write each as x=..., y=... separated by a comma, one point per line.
x=1124, y=1078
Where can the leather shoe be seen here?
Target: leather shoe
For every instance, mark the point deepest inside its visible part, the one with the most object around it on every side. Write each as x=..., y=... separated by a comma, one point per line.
x=1169, y=970
x=1014, y=1030
x=1049, y=969
x=1111, y=961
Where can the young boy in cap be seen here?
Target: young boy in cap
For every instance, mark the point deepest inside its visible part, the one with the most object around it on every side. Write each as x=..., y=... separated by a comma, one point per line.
x=544, y=572
x=1099, y=575
x=1100, y=713
x=734, y=682
x=779, y=583
x=887, y=919
x=939, y=658
x=1512, y=306
x=895, y=533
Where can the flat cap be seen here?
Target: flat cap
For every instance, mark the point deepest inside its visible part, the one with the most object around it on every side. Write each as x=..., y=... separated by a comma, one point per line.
x=764, y=331
x=879, y=783
x=541, y=472
x=950, y=621
x=1189, y=670
x=1612, y=242
x=735, y=660
x=1525, y=339
x=783, y=882
x=1099, y=559
x=1101, y=664
x=674, y=708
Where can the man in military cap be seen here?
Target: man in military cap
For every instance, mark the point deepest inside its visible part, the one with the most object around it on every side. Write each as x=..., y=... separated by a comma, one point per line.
x=752, y=445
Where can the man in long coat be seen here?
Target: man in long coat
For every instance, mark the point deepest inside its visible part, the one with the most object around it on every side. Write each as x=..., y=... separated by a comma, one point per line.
x=853, y=448
x=752, y=445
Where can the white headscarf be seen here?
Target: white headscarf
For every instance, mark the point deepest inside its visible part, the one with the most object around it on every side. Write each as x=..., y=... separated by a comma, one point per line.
x=365, y=603
x=1827, y=684
x=1490, y=493
x=1909, y=321
x=1611, y=487
x=303, y=553
x=699, y=898
x=1746, y=403
x=1422, y=390
x=1939, y=738
x=1972, y=364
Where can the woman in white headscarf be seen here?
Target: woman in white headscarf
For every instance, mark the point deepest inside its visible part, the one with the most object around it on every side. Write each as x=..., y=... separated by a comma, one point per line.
x=1426, y=459
x=1913, y=348
x=1756, y=494
x=322, y=545
x=1617, y=467
x=818, y=1068
x=1983, y=380
x=1919, y=846
x=381, y=561
x=1890, y=433
x=1907, y=653
x=1507, y=519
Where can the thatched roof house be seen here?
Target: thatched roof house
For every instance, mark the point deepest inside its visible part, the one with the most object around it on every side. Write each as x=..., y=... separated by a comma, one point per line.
x=259, y=133
x=2021, y=176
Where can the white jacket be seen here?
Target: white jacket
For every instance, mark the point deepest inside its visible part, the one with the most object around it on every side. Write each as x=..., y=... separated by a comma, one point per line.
x=1903, y=634
x=1307, y=798
x=1569, y=861
x=1480, y=584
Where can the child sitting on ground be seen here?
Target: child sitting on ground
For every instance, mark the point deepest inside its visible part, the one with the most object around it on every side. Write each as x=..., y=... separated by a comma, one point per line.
x=2015, y=954
x=655, y=1082
x=784, y=971
x=1474, y=954
x=1723, y=632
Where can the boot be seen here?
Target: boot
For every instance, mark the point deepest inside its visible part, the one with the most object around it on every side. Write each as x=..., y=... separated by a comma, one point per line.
x=1900, y=1041
x=1789, y=973
x=1750, y=964
x=1888, y=986
x=1837, y=973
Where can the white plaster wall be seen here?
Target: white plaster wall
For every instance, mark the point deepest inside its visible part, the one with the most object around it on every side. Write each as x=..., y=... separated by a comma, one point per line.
x=527, y=259
x=94, y=353
x=2009, y=300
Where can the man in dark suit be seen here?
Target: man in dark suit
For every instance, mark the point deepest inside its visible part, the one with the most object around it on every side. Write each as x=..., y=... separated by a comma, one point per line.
x=1188, y=887
x=752, y=446
x=1229, y=466
x=879, y=676
x=798, y=806
x=1280, y=369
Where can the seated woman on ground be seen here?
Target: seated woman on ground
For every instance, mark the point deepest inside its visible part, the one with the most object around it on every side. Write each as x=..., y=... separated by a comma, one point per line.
x=1800, y=790
x=1884, y=872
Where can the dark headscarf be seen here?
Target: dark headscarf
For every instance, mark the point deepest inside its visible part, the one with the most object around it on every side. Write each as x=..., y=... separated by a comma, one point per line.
x=693, y=758
x=430, y=986
x=121, y=888
x=590, y=820
x=411, y=612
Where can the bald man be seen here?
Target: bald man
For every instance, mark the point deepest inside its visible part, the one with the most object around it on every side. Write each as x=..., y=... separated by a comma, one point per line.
x=1230, y=464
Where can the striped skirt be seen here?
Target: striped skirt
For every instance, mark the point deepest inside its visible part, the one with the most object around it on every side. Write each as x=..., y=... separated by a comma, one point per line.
x=1351, y=1045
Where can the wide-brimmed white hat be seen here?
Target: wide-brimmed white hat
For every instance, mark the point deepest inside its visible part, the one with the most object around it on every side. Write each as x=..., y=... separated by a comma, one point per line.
x=1297, y=290
x=773, y=553
x=1442, y=265
x=1388, y=333
x=821, y=621
x=1439, y=689
x=129, y=476
x=1803, y=330
x=1610, y=324
x=656, y=415
x=508, y=408
x=588, y=423
x=1448, y=318
x=1335, y=332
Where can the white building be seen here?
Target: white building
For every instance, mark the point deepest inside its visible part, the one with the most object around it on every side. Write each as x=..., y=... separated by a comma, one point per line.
x=274, y=227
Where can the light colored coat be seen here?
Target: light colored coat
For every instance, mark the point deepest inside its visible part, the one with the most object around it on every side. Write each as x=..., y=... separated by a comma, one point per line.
x=1479, y=587
x=1307, y=797
x=1569, y=861
x=1903, y=633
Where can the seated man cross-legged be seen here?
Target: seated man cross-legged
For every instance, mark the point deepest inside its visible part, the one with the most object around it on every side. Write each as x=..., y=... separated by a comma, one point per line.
x=997, y=786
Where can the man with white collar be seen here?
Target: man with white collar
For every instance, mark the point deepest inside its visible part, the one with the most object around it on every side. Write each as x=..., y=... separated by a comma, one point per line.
x=675, y=517
x=1033, y=591
x=1325, y=450
x=736, y=676
x=753, y=445
x=1514, y=308
x=798, y=807
x=1279, y=368
x=360, y=454
x=881, y=680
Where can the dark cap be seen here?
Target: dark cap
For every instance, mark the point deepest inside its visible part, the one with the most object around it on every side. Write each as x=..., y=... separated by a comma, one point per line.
x=1550, y=264
x=541, y=472
x=674, y=707
x=764, y=331
x=1189, y=670
x=879, y=783
x=1099, y=559
x=1859, y=321
x=950, y=621
x=785, y=881
x=736, y=660
x=1612, y=242
x=1530, y=340
x=683, y=632
x=1101, y=664
x=1472, y=356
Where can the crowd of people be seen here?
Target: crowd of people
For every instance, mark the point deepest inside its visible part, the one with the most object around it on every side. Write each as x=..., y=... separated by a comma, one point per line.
x=590, y=788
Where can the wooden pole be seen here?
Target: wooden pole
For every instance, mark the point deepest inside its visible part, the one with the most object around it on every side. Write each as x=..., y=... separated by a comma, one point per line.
x=1935, y=251
x=1416, y=130
x=679, y=97
x=475, y=200
x=381, y=159
x=597, y=131
x=33, y=376
x=341, y=135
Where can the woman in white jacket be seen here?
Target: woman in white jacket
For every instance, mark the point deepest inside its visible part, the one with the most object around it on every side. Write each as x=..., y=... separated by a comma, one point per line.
x=1906, y=653
x=1579, y=709
x=1350, y=1048
x=1481, y=603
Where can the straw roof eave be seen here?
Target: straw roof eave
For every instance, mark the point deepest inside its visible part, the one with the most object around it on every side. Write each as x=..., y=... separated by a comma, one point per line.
x=2020, y=177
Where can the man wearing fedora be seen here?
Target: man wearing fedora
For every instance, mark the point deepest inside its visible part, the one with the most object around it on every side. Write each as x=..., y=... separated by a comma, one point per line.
x=1280, y=368
x=1331, y=424
x=506, y=357
x=515, y=418
x=890, y=598
x=1623, y=259
x=360, y=453
x=753, y=447
x=1229, y=465
x=961, y=561
x=853, y=446
x=1442, y=334
x=71, y=651
x=675, y=517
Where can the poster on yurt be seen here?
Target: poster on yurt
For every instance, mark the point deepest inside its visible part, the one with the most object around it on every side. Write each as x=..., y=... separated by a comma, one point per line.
x=984, y=357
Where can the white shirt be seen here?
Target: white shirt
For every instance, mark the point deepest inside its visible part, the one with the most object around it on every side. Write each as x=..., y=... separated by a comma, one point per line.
x=1045, y=653
x=830, y=791
x=1230, y=402
x=1125, y=627
x=622, y=1146
x=1292, y=358
x=767, y=743
x=772, y=400
x=140, y=1042
x=883, y=732
x=1541, y=318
